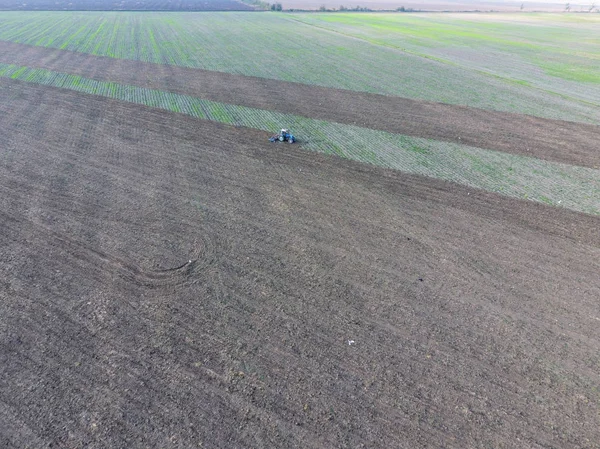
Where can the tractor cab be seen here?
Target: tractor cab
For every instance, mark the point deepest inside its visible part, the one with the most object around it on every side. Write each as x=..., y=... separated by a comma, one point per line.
x=283, y=136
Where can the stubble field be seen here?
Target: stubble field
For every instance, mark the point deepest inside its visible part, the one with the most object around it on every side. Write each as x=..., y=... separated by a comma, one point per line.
x=421, y=270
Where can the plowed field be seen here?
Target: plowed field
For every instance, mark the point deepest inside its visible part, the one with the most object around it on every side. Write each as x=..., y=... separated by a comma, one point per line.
x=168, y=281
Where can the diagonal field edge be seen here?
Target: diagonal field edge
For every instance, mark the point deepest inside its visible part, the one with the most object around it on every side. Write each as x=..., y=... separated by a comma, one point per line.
x=572, y=187
x=570, y=142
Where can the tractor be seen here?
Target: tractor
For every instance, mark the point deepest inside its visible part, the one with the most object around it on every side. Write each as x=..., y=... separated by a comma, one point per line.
x=284, y=136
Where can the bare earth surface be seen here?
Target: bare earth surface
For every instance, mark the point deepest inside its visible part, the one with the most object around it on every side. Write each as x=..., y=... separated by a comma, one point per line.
x=554, y=140
x=169, y=282
x=227, y=5
x=124, y=5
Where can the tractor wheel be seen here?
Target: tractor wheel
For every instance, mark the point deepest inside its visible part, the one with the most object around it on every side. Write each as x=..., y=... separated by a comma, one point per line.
x=281, y=138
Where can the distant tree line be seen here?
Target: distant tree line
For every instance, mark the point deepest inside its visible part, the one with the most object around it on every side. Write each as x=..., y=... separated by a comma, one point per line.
x=356, y=8
x=260, y=4
x=323, y=8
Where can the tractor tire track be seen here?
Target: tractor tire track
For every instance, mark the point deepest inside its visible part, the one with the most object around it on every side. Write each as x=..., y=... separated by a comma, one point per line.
x=202, y=258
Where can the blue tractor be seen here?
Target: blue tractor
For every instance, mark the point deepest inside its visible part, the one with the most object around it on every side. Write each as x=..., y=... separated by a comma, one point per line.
x=284, y=136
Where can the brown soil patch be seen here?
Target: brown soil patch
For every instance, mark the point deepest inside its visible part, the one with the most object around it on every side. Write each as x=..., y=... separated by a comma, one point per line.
x=124, y=5
x=169, y=282
x=554, y=140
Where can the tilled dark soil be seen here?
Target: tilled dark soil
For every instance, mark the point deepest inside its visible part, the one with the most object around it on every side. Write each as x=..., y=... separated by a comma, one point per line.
x=124, y=5
x=554, y=140
x=168, y=282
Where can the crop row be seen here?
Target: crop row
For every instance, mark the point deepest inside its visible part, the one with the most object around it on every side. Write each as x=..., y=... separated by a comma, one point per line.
x=557, y=53
x=279, y=47
x=576, y=188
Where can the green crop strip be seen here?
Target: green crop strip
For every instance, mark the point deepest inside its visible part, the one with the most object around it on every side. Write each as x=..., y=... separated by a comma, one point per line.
x=576, y=188
x=554, y=53
x=451, y=60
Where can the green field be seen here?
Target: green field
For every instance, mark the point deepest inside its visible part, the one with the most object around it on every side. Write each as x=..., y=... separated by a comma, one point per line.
x=555, y=52
x=576, y=188
x=542, y=65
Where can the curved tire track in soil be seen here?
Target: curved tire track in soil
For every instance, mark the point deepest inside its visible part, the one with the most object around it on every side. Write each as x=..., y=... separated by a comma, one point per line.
x=554, y=140
x=117, y=265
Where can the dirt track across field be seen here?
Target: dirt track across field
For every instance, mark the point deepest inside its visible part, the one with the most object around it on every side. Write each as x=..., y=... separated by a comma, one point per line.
x=168, y=282
x=554, y=140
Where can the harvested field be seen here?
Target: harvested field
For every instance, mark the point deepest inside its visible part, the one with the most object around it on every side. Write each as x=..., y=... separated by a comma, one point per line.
x=169, y=282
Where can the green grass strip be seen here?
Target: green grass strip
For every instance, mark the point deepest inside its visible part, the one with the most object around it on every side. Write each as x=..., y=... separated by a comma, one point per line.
x=572, y=187
x=455, y=59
